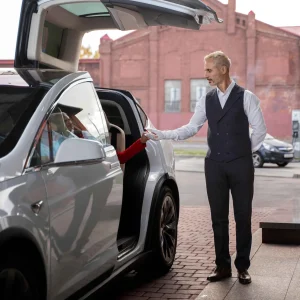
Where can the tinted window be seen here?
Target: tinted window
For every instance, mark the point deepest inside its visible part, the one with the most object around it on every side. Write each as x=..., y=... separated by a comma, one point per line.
x=77, y=115
x=89, y=9
x=17, y=105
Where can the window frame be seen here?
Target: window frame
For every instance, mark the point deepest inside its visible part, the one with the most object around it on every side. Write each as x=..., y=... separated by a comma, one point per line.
x=28, y=167
x=169, y=101
x=193, y=102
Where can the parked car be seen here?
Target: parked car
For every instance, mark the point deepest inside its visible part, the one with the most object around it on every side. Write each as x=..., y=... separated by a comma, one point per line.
x=71, y=217
x=273, y=151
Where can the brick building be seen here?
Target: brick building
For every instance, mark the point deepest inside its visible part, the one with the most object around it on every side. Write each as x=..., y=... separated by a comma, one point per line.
x=163, y=67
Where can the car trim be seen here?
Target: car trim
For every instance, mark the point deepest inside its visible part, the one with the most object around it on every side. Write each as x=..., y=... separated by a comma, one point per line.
x=131, y=264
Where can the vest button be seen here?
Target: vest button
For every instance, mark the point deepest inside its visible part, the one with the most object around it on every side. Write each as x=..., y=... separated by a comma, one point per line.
x=219, y=153
x=218, y=133
x=227, y=133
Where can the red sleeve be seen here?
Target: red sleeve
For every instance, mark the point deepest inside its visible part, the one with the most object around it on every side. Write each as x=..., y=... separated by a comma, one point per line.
x=131, y=151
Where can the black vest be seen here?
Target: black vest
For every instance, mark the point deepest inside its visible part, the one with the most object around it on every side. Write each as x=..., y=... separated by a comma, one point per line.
x=228, y=134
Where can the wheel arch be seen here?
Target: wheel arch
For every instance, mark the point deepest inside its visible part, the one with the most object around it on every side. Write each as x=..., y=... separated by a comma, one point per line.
x=18, y=239
x=170, y=182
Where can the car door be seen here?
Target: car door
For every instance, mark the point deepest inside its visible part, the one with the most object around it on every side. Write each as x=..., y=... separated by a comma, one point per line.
x=51, y=31
x=84, y=199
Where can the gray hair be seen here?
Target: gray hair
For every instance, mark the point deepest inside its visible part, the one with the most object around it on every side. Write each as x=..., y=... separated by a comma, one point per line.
x=219, y=58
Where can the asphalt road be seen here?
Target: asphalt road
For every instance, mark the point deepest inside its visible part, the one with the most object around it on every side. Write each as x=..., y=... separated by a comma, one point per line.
x=269, y=191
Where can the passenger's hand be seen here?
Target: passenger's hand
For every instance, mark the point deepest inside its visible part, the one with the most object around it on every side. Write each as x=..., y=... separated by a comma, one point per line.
x=144, y=138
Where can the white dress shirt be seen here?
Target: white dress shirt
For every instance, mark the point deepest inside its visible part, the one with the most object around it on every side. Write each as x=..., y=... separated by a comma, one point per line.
x=252, y=110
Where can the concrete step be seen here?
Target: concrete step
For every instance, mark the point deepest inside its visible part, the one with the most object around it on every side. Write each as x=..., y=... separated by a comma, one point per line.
x=283, y=226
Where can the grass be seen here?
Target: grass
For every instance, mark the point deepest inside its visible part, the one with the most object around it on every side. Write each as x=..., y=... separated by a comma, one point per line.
x=191, y=152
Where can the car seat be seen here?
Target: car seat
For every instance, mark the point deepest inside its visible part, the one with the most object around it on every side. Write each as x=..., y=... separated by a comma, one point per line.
x=117, y=137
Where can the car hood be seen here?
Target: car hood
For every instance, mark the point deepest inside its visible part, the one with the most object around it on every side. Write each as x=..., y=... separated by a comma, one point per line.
x=277, y=143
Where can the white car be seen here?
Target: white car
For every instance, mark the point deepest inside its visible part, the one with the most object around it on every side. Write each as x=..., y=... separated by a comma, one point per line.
x=71, y=217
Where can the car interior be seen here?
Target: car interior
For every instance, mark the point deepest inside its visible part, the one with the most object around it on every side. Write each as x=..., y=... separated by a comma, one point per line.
x=123, y=123
x=14, y=117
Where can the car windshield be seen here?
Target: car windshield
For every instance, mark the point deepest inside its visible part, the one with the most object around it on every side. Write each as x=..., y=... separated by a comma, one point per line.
x=17, y=105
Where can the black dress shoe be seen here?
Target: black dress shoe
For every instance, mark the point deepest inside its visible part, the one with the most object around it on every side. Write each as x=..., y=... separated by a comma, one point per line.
x=219, y=273
x=244, y=277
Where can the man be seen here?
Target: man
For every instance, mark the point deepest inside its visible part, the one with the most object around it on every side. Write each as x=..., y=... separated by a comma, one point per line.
x=229, y=109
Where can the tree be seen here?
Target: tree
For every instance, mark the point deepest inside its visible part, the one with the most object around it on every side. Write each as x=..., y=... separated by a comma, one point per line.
x=86, y=52
x=96, y=54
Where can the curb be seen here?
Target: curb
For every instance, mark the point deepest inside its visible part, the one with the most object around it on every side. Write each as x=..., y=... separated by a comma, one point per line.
x=295, y=176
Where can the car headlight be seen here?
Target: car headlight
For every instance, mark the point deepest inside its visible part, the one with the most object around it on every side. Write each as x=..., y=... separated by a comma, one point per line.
x=270, y=148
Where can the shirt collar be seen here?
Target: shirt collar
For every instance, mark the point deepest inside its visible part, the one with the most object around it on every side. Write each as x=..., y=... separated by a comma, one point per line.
x=228, y=91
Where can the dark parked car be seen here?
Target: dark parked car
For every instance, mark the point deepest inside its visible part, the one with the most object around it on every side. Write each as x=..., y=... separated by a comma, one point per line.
x=273, y=151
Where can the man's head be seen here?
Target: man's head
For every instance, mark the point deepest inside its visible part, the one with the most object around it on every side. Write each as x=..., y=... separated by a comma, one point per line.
x=216, y=67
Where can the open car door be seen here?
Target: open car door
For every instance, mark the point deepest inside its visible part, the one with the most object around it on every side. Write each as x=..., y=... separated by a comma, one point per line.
x=51, y=31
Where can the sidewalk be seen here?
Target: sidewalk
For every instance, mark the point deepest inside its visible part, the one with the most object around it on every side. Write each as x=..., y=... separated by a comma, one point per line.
x=275, y=272
x=196, y=164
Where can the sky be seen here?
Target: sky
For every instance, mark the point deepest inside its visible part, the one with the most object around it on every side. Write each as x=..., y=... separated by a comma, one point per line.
x=274, y=12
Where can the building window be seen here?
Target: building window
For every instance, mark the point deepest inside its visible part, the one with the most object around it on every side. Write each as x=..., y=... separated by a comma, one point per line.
x=199, y=88
x=238, y=21
x=244, y=23
x=172, y=95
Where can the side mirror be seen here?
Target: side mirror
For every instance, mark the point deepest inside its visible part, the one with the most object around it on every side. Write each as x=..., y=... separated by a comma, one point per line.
x=74, y=149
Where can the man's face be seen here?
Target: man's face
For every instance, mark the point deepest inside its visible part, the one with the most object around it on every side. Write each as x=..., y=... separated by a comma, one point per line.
x=68, y=123
x=214, y=74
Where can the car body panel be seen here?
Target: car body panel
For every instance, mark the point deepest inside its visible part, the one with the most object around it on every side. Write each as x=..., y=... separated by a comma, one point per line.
x=17, y=195
x=84, y=215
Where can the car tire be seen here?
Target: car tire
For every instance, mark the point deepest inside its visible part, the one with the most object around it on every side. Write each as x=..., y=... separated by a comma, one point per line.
x=282, y=164
x=258, y=160
x=164, y=233
x=20, y=278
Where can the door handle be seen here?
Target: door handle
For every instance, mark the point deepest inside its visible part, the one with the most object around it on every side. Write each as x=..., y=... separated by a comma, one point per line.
x=114, y=165
x=36, y=207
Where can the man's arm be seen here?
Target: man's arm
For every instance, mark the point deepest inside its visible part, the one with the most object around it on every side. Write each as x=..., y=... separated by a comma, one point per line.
x=186, y=131
x=256, y=119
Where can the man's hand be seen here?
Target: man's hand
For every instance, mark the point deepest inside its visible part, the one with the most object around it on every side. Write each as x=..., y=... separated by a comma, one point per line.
x=154, y=134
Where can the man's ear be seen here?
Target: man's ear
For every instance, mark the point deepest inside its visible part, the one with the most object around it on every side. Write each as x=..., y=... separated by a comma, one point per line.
x=224, y=70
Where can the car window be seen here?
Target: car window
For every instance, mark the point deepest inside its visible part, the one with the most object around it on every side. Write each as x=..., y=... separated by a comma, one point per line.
x=17, y=105
x=77, y=115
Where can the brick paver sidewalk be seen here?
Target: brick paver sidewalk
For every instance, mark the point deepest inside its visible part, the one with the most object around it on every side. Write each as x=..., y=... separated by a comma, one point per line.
x=194, y=260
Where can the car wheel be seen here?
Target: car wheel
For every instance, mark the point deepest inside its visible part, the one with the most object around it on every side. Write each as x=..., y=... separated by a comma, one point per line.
x=19, y=279
x=281, y=164
x=164, y=235
x=258, y=161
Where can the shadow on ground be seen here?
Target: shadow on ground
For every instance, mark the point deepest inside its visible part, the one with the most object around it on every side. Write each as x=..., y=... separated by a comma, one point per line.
x=126, y=286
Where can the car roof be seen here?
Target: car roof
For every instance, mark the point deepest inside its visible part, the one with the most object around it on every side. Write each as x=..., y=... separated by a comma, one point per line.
x=30, y=77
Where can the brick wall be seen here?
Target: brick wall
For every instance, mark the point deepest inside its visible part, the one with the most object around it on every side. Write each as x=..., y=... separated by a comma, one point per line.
x=265, y=60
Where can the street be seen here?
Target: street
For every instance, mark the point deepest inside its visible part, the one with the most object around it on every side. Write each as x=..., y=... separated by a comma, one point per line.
x=195, y=251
